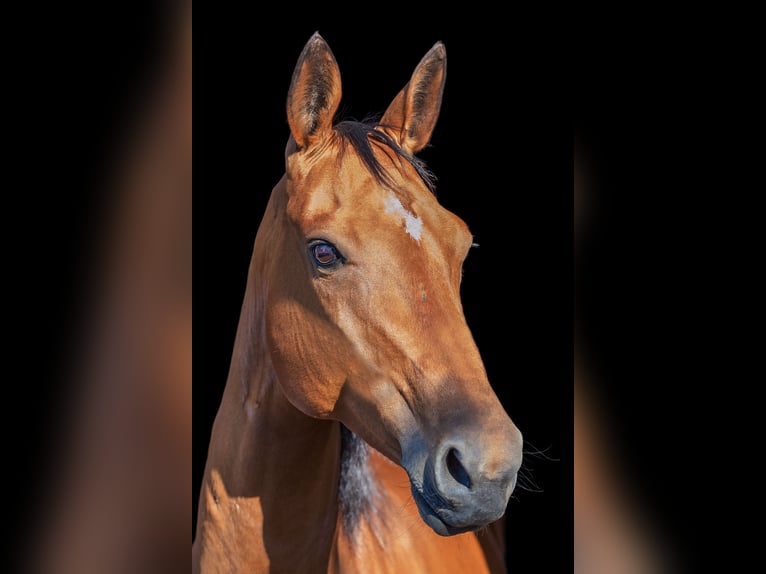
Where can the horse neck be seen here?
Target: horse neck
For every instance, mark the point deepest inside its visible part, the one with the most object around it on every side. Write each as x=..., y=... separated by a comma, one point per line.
x=277, y=466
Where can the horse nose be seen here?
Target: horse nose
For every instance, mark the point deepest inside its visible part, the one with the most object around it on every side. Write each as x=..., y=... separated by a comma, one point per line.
x=475, y=475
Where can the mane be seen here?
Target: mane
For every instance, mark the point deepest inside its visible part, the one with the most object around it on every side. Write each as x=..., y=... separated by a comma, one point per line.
x=362, y=135
x=357, y=493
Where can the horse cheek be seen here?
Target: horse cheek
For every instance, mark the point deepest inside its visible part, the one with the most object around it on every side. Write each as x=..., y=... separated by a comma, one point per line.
x=304, y=352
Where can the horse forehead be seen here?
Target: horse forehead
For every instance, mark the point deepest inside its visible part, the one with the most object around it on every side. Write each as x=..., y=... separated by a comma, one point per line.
x=412, y=223
x=398, y=212
x=344, y=191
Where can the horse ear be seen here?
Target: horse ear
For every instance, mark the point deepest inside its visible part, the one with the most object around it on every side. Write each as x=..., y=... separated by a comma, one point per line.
x=412, y=115
x=314, y=93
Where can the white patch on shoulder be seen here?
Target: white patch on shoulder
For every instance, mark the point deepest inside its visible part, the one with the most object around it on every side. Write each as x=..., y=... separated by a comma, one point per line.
x=412, y=225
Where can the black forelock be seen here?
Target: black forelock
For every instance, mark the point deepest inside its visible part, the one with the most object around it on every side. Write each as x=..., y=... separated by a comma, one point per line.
x=362, y=135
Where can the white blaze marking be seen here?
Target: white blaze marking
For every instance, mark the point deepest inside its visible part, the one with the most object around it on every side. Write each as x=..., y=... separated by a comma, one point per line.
x=412, y=225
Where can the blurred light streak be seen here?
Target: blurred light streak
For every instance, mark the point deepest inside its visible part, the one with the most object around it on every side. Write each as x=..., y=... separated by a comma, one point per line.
x=116, y=495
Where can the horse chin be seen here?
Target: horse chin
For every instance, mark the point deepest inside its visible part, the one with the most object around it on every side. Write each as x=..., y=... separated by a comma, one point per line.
x=438, y=523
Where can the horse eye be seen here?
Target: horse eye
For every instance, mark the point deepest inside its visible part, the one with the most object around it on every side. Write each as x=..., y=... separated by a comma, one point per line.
x=325, y=254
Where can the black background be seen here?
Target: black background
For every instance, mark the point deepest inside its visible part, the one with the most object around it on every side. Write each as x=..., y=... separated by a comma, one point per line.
x=663, y=98
x=502, y=152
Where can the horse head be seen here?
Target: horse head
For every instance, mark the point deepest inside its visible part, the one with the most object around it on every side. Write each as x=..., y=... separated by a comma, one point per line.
x=362, y=269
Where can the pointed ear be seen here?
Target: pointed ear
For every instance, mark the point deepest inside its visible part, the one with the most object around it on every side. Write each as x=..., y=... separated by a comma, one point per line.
x=411, y=117
x=314, y=93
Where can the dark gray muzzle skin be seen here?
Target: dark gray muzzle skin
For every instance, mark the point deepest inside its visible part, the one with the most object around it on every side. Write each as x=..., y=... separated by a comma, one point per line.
x=465, y=482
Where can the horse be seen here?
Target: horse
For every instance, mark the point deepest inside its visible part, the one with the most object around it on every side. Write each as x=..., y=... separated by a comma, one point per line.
x=357, y=431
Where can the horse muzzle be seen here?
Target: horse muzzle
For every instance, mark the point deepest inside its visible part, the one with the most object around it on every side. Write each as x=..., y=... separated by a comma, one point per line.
x=467, y=480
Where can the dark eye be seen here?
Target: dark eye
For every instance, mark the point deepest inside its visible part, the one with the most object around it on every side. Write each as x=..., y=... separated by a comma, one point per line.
x=325, y=254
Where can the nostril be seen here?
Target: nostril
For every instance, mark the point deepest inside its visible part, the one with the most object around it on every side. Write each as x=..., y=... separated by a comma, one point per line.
x=456, y=469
